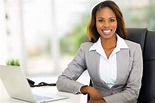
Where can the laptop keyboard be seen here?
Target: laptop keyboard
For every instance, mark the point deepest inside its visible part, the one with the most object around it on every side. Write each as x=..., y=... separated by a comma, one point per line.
x=39, y=98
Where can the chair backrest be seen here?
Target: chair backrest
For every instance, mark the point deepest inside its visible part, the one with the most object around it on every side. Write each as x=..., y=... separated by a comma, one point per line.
x=147, y=41
x=137, y=35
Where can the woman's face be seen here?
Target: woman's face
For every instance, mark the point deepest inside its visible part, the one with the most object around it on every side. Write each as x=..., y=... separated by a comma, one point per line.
x=106, y=23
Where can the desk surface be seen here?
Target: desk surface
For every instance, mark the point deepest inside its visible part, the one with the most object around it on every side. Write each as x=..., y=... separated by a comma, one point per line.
x=5, y=98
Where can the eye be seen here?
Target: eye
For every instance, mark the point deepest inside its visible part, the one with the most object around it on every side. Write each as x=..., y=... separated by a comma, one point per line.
x=100, y=20
x=112, y=20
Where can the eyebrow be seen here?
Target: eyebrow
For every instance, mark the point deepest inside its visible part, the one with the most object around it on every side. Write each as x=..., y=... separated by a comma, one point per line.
x=108, y=18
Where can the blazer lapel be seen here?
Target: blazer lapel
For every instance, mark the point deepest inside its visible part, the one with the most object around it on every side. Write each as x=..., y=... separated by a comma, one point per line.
x=94, y=60
x=93, y=64
x=122, y=65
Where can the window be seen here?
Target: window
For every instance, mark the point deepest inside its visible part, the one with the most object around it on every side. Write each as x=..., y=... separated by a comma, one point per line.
x=45, y=34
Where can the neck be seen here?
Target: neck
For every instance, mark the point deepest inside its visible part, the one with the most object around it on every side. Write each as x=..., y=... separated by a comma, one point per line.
x=109, y=43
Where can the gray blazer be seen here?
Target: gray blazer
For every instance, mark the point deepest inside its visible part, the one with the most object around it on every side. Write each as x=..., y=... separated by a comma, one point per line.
x=129, y=73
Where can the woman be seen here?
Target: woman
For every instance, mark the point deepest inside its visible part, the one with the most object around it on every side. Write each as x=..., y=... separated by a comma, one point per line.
x=113, y=62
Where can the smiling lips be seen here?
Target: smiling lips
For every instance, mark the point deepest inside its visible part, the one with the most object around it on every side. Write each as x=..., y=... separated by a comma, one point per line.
x=106, y=31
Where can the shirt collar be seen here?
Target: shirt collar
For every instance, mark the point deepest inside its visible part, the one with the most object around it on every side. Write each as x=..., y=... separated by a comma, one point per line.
x=120, y=44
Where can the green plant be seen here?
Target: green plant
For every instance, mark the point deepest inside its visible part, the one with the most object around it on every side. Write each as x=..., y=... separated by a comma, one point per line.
x=13, y=62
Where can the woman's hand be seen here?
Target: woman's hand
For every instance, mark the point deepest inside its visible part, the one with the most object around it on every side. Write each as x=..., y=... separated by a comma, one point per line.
x=95, y=96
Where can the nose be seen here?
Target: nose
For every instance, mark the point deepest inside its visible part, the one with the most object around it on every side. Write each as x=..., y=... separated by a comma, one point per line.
x=106, y=24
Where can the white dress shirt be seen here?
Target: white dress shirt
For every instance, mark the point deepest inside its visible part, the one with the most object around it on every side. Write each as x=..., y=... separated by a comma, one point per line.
x=108, y=66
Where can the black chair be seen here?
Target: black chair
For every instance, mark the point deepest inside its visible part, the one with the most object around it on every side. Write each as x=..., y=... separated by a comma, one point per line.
x=146, y=39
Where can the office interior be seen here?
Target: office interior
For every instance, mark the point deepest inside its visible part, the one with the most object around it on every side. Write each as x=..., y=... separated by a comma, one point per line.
x=44, y=35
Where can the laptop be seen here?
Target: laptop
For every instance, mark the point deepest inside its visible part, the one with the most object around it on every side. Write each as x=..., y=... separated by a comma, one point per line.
x=18, y=87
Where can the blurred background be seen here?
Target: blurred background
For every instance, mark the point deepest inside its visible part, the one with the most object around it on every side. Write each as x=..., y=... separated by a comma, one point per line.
x=44, y=35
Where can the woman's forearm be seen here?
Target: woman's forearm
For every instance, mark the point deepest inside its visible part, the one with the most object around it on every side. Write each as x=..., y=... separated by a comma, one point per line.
x=85, y=89
x=95, y=96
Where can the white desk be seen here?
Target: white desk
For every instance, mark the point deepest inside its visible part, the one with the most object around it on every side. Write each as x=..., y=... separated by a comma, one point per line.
x=4, y=97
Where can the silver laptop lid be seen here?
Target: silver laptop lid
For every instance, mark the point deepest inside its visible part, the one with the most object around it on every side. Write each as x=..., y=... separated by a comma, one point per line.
x=15, y=83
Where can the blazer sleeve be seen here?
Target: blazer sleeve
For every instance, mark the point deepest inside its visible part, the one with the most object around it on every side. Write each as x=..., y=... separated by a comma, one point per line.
x=67, y=80
x=132, y=88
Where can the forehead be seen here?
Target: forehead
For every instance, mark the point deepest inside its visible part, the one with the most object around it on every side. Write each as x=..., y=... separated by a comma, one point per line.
x=105, y=12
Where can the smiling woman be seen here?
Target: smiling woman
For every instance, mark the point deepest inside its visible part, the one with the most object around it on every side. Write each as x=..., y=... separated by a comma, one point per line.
x=106, y=25
x=106, y=22
x=115, y=79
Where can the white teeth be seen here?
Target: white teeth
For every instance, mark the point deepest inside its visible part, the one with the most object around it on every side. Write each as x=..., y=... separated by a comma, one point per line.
x=107, y=31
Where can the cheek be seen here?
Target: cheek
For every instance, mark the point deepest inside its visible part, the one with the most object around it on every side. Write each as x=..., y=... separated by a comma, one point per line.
x=98, y=25
x=115, y=25
x=98, y=28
